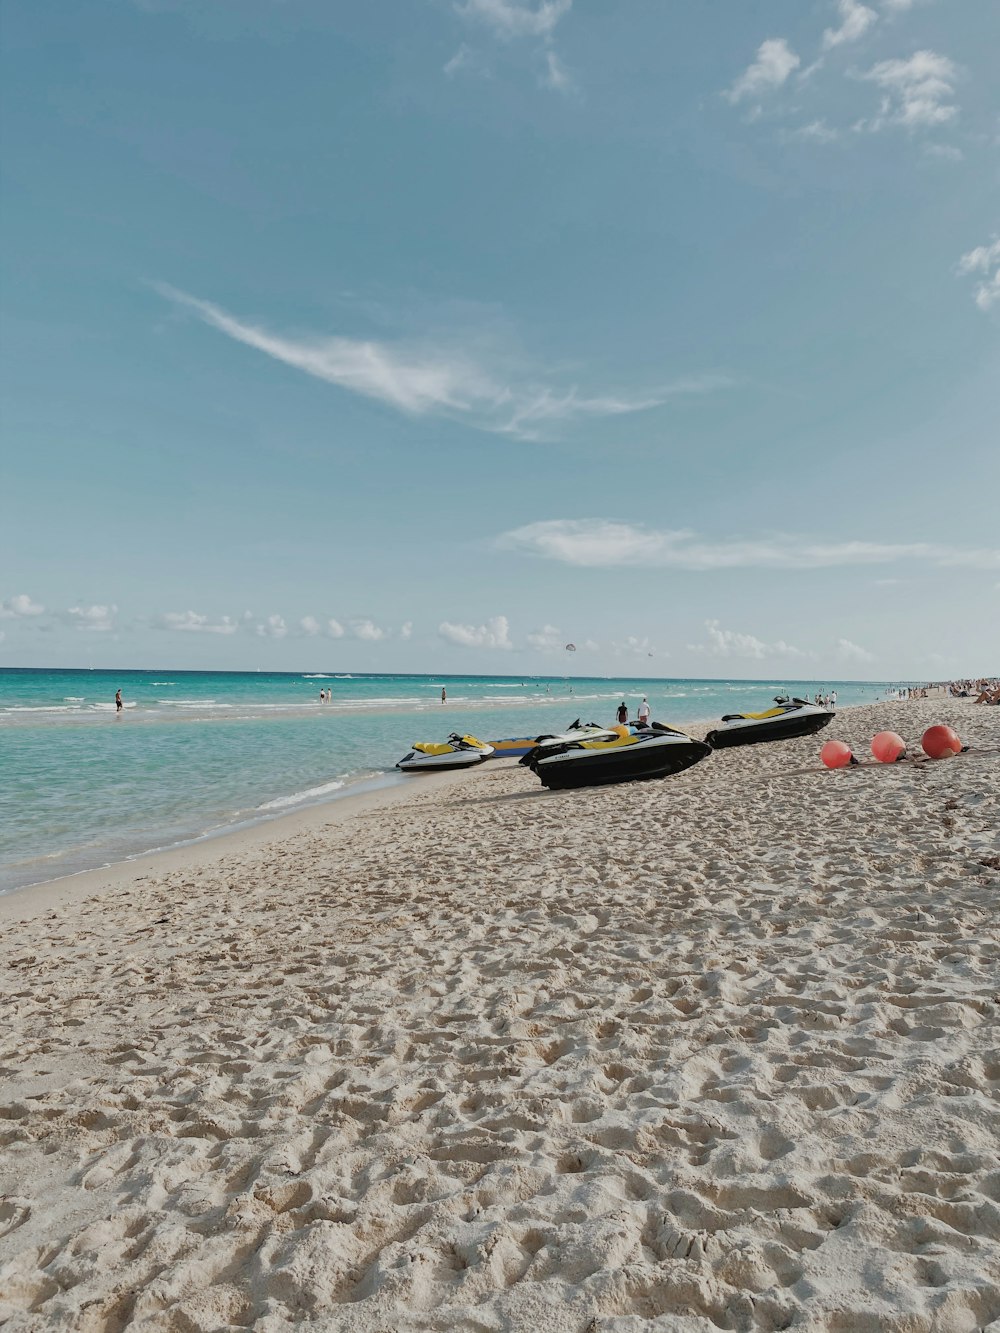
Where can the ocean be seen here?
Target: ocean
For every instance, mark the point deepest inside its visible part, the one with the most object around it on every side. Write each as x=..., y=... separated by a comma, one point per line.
x=195, y=753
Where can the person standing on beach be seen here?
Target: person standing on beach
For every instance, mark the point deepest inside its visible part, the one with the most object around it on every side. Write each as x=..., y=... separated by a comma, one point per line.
x=118, y=701
x=644, y=713
x=622, y=713
x=444, y=695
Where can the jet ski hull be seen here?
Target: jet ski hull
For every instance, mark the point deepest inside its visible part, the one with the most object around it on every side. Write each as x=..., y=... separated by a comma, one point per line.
x=423, y=763
x=456, y=752
x=769, y=729
x=575, y=767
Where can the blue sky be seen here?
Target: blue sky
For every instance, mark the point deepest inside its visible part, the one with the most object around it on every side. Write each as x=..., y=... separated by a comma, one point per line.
x=431, y=336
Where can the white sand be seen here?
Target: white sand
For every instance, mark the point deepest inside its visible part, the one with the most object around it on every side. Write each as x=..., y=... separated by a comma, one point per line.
x=713, y=1052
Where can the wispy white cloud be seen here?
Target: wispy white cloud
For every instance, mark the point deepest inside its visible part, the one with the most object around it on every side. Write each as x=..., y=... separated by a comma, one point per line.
x=818, y=131
x=193, y=623
x=556, y=75
x=984, y=261
x=412, y=381
x=604, y=543
x=434, y=380
x=509, y=22
x=335, y=629
x=734, y=643
x=946, y=152
x=507, y=19
x=548, y=639
x=855, y=20
x=97, y=618
x=917, y=92
x=310, y=626
x=464, y=58
x=633, y=646
x=853, y=652
x=367, y=630
x=273, y=627
x=495, y=633
x=406, y=630
x=774, y=63
x=539, y=408
x=20, y=605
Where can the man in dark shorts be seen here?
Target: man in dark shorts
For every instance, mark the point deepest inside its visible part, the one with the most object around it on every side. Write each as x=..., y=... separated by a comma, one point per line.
x=118, y=701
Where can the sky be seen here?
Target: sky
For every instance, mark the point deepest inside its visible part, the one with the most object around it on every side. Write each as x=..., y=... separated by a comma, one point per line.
x=433, y=335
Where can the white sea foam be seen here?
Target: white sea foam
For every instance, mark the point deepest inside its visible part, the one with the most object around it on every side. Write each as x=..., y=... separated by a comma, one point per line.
x=73, y=699
x=163, y=682
x=47, y=708
x=193, y=703
x=110, y=708
x=343, y=677
x=310, y=794
x=320, y=675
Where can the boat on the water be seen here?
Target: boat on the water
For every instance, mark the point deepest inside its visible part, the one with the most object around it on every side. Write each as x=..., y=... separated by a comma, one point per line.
x=622, y=754
x=456, y=752
x=789, y=718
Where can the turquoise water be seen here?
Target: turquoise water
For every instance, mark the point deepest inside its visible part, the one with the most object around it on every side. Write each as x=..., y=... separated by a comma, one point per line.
x=198, y=752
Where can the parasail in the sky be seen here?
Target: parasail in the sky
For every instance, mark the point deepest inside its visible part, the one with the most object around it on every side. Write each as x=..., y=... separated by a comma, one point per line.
x=571, y=647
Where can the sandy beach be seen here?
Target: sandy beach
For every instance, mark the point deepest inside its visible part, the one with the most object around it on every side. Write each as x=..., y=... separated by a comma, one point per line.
x=715, y=1052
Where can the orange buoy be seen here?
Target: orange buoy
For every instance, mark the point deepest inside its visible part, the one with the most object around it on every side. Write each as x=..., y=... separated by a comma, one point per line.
x=940, y=742
x=835, y=754
x=888, y=747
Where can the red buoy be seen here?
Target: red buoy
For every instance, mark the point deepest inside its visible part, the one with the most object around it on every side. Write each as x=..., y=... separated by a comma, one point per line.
x=835, y=754
x=940, y=742
x=887, y=747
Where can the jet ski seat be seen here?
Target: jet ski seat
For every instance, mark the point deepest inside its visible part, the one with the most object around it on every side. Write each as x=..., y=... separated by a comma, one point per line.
x=754, y=717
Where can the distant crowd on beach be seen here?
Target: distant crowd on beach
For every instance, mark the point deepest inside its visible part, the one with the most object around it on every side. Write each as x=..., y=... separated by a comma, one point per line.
x=985, y=690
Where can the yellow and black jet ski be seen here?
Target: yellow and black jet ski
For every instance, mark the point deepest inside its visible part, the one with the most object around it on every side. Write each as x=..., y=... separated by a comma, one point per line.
x=789, y=718
x=518, y=745
x=622, y=755
x=456, y=752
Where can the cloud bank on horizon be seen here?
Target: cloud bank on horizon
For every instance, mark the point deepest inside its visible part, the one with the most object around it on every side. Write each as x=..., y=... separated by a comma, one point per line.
x=493, y=634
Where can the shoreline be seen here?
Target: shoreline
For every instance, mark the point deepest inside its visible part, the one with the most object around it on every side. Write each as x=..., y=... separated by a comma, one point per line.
x=150, y=856
x=213, y=847
x=179, y=807
x=252, y=831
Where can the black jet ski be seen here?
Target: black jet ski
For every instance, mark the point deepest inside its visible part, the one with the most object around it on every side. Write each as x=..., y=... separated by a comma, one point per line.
x=619, y=755
x=791, y=717
x=456, y=752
